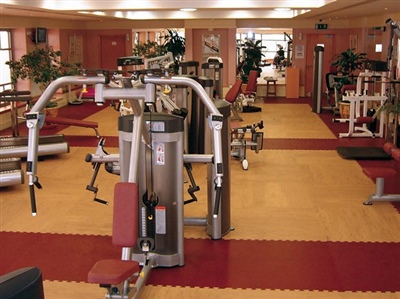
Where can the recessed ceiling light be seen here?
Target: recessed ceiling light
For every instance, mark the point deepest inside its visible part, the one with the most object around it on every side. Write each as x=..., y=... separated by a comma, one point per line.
x=188, y=9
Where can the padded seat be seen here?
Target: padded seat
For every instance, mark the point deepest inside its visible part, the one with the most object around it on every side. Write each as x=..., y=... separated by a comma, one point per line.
x=115, y=272
x=379, y=172
x=74, y=122
x=365, y=119
x=112, y=271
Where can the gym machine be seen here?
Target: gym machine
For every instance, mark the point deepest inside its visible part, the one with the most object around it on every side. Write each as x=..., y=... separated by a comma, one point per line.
x=151, y=149
x=317, y=79
x=17, y=147
x=239, y=144
x=14, y=147
x=11, y=172
x=213, y=69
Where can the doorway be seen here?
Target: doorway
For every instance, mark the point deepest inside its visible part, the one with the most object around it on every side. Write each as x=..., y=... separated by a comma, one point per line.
x=111, y=47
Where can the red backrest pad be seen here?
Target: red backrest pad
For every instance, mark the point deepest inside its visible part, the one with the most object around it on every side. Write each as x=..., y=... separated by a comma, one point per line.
x=252, y=81
x=233, y=93
x=125, y=215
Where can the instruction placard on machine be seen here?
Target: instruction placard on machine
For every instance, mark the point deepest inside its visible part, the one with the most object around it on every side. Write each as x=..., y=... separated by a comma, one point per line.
x=160, y=153
x=161, y=225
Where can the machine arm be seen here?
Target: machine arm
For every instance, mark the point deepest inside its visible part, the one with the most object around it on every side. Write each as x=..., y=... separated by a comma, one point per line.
x=34, y=121
x=215, y=120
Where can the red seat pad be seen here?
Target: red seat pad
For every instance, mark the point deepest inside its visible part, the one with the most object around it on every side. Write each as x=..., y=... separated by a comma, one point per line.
x=71, y=122
x=396, y=154
x=112, y=271
x=365, y=119
x=379, y=172
x=89, y=94
x=388, y=147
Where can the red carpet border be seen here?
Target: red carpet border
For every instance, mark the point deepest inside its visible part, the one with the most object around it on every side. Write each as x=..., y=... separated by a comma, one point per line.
x=286, y=265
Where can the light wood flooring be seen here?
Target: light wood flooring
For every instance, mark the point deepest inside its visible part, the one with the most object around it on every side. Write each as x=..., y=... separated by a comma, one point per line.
x=307, y=195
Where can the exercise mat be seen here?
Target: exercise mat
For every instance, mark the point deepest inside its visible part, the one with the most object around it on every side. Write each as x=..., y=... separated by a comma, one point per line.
x=249, y=109
x=362, y=153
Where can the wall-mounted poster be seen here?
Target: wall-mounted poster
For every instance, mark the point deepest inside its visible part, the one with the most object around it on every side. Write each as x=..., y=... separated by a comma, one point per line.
x=299, y=51
x=75, y=54
x=353, y=42
x=211, y=43
x=210, y=46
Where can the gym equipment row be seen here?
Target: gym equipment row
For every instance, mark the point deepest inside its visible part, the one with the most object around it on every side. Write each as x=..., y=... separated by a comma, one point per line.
x=17, y=147
x=14, y=147
x=150, y=194
x=11, y=172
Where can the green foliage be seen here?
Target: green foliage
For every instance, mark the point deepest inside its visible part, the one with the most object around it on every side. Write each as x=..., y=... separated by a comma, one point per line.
x=148, y=49
x=42, y=66
x=252, y=59
x=173, y=43
x=349, y=61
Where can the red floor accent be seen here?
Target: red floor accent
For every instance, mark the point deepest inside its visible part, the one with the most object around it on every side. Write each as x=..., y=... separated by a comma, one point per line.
x=289, y=265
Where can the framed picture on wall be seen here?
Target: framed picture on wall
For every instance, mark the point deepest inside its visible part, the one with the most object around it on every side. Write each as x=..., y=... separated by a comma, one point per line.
x=211, y=44
x=353, y=42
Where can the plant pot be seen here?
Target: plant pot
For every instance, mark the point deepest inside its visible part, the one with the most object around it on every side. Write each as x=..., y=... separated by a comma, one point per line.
x=51, y=112
x=344, y=109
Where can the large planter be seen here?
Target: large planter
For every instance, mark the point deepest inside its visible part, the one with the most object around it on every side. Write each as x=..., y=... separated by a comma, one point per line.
x=344, y=109
x=51, y=112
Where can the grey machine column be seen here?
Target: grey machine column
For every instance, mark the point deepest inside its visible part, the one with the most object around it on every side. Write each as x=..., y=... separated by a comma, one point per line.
x=160, y=188
x=317, y=78
x=213, y=69
x=218, y=226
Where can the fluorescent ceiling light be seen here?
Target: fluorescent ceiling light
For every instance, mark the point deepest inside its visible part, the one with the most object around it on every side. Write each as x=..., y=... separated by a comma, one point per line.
x=282, y=9
x=188, y=9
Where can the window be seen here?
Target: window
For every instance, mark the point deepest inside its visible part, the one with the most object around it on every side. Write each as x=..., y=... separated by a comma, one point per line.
x=5, y=55
x=268, y=40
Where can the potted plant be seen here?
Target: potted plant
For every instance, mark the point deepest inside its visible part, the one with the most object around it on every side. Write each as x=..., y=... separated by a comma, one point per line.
x=173, y=43
x=252, y=58
x=42, y=66
x=347, y=63
x=148, y=49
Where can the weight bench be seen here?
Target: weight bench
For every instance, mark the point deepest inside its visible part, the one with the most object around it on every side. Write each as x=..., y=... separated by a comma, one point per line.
x=380, y=174
x=116, y=274
x=74, y=122
x=87, y=93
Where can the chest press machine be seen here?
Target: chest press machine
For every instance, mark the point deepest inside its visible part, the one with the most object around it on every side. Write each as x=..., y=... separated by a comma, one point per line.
x=150, y=194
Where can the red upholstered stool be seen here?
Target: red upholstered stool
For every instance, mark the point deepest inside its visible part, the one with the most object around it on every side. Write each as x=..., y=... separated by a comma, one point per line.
x=115, y=272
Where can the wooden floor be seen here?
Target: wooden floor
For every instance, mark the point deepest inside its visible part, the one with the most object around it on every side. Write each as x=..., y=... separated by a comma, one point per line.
x=287, y=194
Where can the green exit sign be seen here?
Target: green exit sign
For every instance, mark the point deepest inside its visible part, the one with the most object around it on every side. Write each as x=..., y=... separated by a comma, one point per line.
x=321, y=26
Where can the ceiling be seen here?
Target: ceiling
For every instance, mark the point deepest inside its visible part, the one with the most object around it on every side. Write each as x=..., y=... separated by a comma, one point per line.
x=206, y=9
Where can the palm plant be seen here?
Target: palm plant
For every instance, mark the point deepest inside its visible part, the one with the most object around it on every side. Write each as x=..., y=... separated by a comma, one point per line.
x=252, y=58
x=348, y=62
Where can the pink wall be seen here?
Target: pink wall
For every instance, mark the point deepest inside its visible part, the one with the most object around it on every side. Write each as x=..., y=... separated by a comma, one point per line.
x=227, y=50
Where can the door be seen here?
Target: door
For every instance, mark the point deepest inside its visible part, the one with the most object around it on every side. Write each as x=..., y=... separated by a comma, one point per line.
x=313, y=40
x=111, y=47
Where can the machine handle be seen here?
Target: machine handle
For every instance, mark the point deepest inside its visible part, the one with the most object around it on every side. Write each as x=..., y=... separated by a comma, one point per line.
x=217, y=201
x=33, y=200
